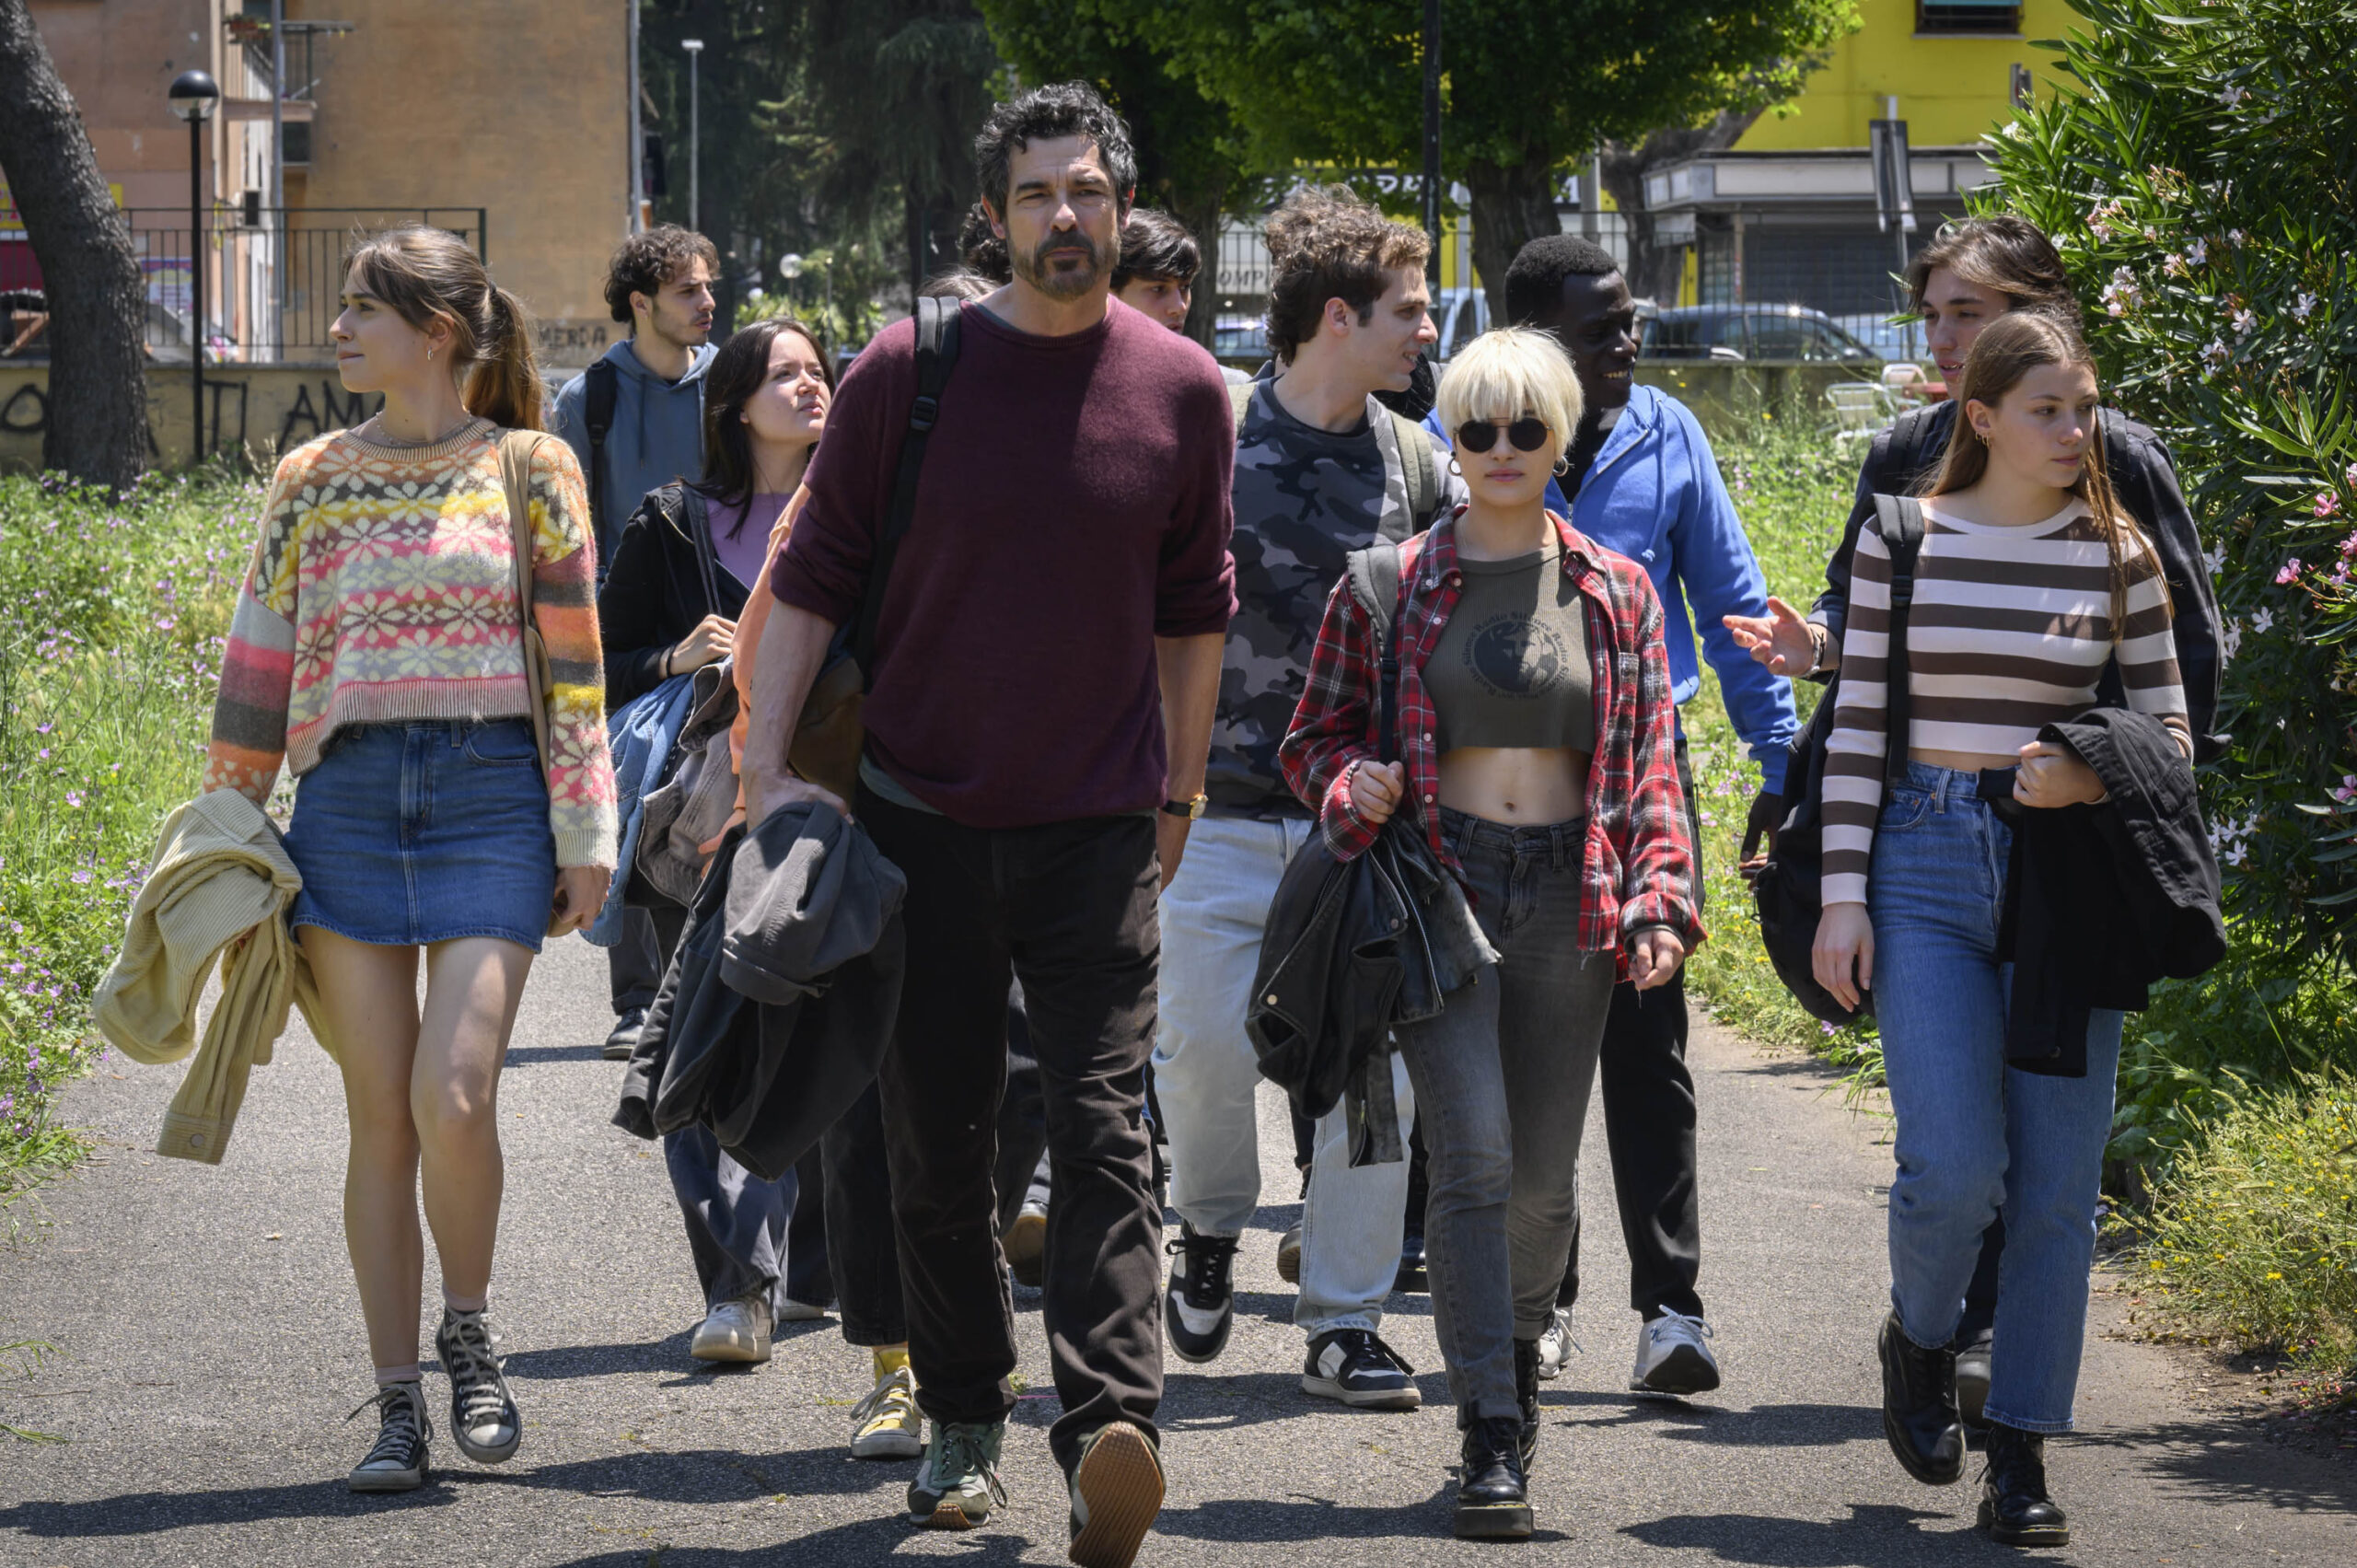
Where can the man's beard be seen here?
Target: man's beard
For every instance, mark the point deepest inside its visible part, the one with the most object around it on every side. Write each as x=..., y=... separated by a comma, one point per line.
x=1033, y=269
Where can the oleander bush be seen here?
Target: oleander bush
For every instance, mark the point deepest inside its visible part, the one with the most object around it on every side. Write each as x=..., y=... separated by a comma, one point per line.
x=2198, y=173
x=112, y=616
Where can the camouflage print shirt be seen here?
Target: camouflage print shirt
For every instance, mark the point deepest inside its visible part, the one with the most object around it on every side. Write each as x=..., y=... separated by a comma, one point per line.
x=1304, y=498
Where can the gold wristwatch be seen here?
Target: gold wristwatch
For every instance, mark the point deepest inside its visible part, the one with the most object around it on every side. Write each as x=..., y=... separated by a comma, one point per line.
x=1190, y=809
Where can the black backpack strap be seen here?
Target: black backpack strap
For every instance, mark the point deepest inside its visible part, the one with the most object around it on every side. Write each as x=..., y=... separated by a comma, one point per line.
x=936, y=356
x=1899, y=520
x=600, y=386
x=1374, y=575
x=696, y=518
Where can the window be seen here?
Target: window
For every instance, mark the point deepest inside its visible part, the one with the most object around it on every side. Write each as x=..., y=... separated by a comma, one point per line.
x=1969, y=17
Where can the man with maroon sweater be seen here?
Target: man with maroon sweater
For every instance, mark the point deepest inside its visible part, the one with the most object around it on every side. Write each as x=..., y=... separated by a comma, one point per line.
x=1046, y=670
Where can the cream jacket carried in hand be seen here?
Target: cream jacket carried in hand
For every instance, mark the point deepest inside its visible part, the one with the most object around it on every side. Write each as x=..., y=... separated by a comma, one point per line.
x=219, y=873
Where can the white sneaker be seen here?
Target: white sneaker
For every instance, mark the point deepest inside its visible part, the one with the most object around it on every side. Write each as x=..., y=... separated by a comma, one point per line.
x=736, y=1331
x=800, y=1312
x=1672, y=1358
x=1556, y=1346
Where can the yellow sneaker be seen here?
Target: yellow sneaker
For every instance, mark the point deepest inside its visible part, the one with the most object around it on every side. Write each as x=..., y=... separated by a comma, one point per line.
x=887, y=1425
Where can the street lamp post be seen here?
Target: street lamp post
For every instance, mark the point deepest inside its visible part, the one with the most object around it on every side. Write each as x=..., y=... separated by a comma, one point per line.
x=695, y=46
x=192, y=95
x=1432, y=142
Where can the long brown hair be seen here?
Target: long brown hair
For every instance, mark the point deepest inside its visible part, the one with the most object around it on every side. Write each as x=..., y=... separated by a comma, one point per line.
x=424, y=273
x=736, y=373
x=2008, y=349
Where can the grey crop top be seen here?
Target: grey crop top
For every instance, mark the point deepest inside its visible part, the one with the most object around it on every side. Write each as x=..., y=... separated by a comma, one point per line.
x=1511, y=668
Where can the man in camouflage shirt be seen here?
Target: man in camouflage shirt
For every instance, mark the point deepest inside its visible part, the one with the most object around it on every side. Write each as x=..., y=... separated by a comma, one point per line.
x=1321, y=468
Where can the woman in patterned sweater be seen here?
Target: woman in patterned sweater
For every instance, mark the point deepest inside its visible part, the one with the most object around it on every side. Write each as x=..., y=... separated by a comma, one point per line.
x=2029, y=581
x=378, y=651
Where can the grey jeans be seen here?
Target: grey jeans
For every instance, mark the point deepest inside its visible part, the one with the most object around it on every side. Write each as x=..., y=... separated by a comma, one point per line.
x=1502, y=1076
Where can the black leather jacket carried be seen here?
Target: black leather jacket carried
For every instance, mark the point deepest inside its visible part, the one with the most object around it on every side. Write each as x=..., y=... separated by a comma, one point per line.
x=1351, y=949
x=663, y=581
x=1904, y=453
x=2102, y=900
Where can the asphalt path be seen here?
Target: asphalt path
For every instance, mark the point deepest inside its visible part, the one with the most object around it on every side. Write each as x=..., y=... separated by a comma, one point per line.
x=208, y=1346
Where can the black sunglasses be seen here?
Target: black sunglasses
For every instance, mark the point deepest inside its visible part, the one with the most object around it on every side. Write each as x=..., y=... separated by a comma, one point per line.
x=1481, y=434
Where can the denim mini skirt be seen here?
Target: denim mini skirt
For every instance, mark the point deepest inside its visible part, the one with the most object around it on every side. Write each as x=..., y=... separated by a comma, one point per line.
x=421, y=831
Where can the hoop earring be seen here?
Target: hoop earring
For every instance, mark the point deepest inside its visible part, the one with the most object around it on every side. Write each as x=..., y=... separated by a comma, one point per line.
x=429, y=356
x=1453, y=468
x=1563, y=465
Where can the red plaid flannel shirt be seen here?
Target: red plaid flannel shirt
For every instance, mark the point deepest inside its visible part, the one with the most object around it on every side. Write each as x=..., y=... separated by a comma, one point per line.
x=1640, y=861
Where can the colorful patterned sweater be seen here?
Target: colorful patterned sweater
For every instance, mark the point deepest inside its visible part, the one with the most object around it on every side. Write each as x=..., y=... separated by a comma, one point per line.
x=383, y=588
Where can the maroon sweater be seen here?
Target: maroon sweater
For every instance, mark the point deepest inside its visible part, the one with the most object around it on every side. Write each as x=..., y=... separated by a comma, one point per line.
x=1074, y=506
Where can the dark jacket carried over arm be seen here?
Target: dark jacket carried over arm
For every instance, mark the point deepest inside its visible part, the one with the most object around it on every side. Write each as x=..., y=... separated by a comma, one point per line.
x=1905, y=453
x=664, y=579
x=2102, y=900
x=786, y=991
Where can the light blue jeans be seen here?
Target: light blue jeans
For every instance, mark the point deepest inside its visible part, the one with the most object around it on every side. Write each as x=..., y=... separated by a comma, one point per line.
x=1976, y=1136
x=1205, y=1075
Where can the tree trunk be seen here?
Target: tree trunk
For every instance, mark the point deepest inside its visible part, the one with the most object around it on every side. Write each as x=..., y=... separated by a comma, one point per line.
x=98, y=303
x=1203, y=219
x=1653, y=269
x=1512, y=206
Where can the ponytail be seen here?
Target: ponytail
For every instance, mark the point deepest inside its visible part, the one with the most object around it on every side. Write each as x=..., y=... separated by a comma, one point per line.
x=504, y=385
x=426, y=274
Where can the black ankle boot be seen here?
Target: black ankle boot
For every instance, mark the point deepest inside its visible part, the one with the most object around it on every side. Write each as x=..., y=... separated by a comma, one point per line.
x=1493, y=1503
x=1919, y=1411
x=2015, y=1508
x=1526, y=1389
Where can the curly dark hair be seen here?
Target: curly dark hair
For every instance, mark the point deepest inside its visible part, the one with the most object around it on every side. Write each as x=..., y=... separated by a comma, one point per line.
x=1062, y=109
x=981, y=248
x=1156, y=245
x=1324, y=243
x=1535, y=280
x=2007, y=253
x=644, y=262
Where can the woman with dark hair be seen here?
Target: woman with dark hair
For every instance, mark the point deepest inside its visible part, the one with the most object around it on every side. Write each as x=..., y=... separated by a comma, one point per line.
x=1976, y=272
x=379, y=651
x=681, y=573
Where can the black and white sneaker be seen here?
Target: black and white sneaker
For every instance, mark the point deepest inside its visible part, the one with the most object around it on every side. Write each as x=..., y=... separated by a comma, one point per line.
x=1200, y=1307
x=1355, y=1366
x=397, y=1463
x=484, y=1421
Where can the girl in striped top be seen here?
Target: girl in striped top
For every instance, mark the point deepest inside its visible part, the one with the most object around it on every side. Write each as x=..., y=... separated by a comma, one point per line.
x=2029, y=581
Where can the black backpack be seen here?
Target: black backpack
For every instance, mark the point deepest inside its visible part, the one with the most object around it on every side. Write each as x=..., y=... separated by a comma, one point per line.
x=1789, y=889
x=600, y=388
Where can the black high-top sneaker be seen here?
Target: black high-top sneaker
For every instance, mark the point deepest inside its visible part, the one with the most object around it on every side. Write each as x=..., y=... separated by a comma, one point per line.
x=2015, y=1508
x=397, y=1462
x=1492, y=1500
x=1200, y=1307
x=484, y=1421
x=1919, y=1414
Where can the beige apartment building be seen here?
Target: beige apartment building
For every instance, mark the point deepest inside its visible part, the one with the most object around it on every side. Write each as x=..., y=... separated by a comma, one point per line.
x=506, y=121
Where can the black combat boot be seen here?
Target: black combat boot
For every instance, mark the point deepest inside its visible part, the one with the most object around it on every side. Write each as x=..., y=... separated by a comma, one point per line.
x=1918, y=1412
x=1493, y=1503
x=2015, y=1508
x=1526, y=1389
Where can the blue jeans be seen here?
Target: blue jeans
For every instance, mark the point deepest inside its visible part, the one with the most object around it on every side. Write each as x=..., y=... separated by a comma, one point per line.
x=1975, y=1138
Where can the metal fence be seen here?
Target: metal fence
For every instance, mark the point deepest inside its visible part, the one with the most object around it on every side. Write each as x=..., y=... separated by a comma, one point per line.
x=272, y=277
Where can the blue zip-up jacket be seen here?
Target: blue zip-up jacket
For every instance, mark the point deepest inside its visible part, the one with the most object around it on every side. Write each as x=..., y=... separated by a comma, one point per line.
x=657, y=434
x=1654, y=495
x=640, y=733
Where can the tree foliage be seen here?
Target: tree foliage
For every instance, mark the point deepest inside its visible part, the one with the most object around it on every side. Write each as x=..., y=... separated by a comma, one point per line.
x=1529, y=86
x=2200, y=175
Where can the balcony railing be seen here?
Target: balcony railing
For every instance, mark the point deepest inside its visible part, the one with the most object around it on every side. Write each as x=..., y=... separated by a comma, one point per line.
x=271, y=276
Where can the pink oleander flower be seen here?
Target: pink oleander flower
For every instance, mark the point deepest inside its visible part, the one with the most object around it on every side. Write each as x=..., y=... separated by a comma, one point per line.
x=2328, y=503
x=2290, y=571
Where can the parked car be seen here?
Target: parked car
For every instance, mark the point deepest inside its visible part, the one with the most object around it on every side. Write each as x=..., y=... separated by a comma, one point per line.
x=1752, y=332
x=1240, y=340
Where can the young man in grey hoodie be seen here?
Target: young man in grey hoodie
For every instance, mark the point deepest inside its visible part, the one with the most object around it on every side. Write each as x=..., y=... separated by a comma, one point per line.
x=659, y=284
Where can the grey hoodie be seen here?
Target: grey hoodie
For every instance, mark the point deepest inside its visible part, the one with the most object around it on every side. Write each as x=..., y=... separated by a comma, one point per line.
x=657, y=434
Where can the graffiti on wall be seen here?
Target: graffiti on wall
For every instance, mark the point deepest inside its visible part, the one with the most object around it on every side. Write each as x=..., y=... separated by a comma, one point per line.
x=337, y=409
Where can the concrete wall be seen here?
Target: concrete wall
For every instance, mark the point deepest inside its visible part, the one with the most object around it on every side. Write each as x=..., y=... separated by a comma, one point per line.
x=117, y=57
x=1952, y=88
x=256, y=409
x=263, y=410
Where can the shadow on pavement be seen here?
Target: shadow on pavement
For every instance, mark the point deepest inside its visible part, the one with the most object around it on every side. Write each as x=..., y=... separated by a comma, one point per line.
x=702, y=1475
x=1873, y=1536
x=1761, y=1426
x=863, y=1542
x=1316, y=1518
x=2228, y=1459
x=526, y=1055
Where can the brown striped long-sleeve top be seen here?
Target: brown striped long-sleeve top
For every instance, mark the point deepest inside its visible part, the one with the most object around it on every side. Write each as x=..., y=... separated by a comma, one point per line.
x=2010, y=630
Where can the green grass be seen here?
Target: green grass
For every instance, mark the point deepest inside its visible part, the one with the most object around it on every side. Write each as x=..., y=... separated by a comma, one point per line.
x=112, y=616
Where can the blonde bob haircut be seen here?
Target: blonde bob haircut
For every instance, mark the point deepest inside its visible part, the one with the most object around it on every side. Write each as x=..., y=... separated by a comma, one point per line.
x=1506, y=374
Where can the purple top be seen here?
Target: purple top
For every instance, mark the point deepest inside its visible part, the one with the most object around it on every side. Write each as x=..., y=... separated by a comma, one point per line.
x=742, y=556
